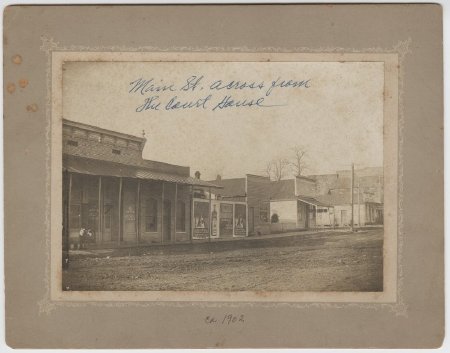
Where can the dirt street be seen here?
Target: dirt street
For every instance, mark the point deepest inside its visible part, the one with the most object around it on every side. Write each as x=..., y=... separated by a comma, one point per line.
x=330, y=261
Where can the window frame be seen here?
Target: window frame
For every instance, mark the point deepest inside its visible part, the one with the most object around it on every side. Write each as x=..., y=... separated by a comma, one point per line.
x=183, y=230
x=154, y=202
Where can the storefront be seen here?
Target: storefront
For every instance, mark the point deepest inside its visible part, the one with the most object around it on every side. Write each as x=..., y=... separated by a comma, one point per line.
x=113, y=197
x=216, y=219
x=108, y=210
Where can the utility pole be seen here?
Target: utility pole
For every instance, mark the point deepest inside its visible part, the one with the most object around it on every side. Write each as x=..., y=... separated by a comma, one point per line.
x=353, y=180
x=359, y=203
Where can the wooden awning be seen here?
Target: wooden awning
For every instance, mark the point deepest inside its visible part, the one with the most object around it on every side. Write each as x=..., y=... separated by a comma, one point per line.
x=89, y=166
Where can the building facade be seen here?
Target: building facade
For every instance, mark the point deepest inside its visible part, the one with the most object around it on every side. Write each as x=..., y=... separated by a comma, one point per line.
x=274, y=206
x=312, y=202
x=335, y=190
x=114, y=197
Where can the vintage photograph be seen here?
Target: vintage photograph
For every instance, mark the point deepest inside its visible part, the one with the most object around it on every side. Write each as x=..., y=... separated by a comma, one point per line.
x=223, y=176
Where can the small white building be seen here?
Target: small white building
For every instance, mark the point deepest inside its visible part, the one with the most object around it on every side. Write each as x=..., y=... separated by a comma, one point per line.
x=293, y=206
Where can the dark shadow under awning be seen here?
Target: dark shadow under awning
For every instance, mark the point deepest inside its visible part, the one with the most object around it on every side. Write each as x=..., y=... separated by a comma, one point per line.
x=89, y=166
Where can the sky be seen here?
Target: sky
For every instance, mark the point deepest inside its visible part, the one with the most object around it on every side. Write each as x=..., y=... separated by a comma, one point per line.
x=337, y=118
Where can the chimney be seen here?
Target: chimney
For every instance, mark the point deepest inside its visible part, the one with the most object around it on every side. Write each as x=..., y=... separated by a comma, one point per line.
x=197, y=175
x=219, y=177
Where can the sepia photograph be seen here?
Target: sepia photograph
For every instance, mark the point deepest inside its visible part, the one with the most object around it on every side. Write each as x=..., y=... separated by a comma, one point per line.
x=223, y=176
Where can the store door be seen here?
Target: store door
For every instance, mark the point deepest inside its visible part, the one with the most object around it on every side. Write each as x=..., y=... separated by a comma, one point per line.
x=251, y=220
x=107, y=222
x=129, y=212
x=167, y=216
x=344, y=220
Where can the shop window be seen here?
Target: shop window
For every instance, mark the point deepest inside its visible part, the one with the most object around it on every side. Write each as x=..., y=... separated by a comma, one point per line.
x=75, y=216
x=181, y=216
x=151, y=215
x=226, y=219
x=90, y=189
x=76, y=191
x=107, y=193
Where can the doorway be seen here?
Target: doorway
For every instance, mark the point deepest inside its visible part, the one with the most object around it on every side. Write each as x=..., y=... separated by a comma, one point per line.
x=167, y=216
x=344, y=220
x=251, y=220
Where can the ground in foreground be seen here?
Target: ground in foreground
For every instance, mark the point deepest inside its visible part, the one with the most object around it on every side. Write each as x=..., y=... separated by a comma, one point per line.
x=325, y=261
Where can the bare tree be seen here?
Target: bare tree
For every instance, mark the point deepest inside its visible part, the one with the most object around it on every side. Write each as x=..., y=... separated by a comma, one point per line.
x=268, y=170
x=298, y=163
x=280, y=168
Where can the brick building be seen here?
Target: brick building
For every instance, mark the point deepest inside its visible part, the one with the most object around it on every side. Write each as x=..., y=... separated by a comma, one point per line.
x=112, y=196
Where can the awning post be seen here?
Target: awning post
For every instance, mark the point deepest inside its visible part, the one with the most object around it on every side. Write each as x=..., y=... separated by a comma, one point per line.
x=162, y=214
x=191, y=223
x=120, y=210
x=138, y=212
x=100, y=230
x=209, y=216
x=176, y=206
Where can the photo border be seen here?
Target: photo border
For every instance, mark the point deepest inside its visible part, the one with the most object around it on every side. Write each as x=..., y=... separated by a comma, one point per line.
x=394, y=301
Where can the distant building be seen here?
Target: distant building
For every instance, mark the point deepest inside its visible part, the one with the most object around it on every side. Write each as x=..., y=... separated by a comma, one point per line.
x=290, y=202
x=335, y=190
x=294, y=204
x=229, y=211
x=315, y=201
x=253, y=190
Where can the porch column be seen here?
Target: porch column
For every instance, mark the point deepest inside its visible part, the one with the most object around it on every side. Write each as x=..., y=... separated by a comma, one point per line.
x=162, y=213
x=69, y=198
x=100, y=230
x=66, y=224
x=138, y=212
x=191, y=221
x=176, y=201
x=209, y=216
x=315, y=217
x=329, y=216
x=120, y=210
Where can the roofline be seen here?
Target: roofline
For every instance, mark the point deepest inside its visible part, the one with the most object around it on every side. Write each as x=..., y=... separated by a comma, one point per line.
x=286, y=199
x=168, y=164
x=257, y=176
x=104, y=131
x=354, y=203
x=305, y=178
x=277, y=181
x=310, y=203
x=232, y=196
x=215, y=180
x=65, y=155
